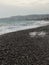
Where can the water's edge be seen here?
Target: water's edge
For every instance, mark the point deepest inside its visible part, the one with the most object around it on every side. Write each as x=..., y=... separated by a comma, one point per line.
x=21, y=26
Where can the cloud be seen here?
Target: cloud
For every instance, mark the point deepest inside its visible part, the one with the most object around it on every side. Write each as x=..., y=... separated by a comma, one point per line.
x=18, y=7
x=23, y=2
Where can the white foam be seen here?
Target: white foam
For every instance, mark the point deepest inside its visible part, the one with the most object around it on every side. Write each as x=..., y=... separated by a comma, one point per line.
x=33, y=34
x=37, y=34
x=12, y=28
x=42, y=34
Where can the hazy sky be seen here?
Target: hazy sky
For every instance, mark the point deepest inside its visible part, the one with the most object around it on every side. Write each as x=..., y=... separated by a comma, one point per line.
x=23, y=7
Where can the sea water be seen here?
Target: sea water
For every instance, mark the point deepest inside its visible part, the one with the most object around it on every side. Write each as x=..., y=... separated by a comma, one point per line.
x=11, y=26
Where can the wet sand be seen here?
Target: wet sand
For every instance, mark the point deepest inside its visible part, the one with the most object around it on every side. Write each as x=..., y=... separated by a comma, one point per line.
x=22, y=48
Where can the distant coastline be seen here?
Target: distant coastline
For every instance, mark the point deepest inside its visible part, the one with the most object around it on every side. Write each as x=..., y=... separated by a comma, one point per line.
x=27, y=17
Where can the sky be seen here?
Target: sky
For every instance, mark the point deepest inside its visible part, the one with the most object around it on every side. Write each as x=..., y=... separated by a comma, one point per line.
x=23, y=7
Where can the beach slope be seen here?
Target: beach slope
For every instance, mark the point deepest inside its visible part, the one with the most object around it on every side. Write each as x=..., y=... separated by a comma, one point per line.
x=26, y=47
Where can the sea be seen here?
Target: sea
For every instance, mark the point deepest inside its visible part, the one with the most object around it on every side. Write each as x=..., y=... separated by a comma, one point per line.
x=12, y=26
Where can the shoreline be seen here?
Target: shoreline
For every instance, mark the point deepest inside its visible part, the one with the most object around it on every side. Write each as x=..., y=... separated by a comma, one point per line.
x=19, y=48
x=25, y=28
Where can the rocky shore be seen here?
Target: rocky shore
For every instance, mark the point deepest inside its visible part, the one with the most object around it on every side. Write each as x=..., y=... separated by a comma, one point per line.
x=27, y=47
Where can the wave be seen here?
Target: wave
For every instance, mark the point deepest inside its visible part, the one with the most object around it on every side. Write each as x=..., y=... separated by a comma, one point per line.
x=6, y=28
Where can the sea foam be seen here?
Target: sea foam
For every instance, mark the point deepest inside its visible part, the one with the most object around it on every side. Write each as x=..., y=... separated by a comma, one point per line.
x=6, y=28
